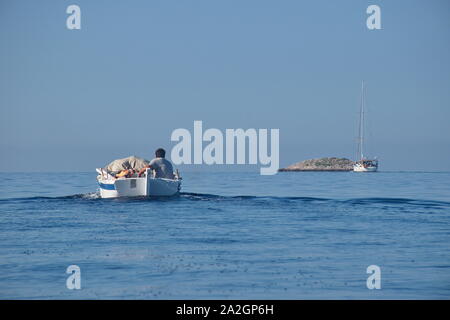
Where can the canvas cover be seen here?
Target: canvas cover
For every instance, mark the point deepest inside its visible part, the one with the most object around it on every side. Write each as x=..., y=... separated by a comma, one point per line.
x=131, y=162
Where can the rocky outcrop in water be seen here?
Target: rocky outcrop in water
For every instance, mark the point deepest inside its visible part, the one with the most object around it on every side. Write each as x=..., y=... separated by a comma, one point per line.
x=321, y=164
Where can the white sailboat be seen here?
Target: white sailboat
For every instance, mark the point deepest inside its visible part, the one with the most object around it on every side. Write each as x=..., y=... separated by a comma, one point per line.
x=363, y=164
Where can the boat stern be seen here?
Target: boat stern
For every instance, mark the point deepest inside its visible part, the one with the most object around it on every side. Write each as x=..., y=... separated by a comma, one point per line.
x=107, y=189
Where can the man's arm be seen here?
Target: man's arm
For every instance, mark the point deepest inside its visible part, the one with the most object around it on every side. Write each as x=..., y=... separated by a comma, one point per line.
x=143, y=170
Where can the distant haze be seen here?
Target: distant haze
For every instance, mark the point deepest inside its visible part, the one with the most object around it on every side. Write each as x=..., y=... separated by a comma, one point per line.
x=73, y=100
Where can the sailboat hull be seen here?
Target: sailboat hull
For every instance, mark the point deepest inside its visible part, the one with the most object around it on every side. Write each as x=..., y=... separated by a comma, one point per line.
x=360, y=168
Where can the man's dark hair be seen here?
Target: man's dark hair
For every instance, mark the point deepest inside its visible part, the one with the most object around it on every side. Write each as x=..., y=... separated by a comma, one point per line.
x=160, y=153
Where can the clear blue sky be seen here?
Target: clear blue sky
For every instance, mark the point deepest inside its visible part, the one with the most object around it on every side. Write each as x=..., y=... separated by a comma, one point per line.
x=75, y=100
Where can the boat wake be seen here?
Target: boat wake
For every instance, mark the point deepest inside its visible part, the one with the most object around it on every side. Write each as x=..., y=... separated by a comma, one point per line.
x=355, y=201
x=88, y=196
x=189, y=196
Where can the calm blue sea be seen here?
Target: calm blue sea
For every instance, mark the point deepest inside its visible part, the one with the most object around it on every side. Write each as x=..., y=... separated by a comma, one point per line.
x=228, y=235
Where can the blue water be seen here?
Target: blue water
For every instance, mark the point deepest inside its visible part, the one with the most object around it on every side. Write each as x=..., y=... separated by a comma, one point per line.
x=228, y=235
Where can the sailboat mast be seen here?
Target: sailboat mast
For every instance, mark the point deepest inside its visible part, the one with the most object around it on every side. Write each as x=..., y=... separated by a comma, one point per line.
x=361, y=124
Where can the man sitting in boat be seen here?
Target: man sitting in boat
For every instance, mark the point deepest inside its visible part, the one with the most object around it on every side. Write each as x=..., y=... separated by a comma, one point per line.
x=162, y=167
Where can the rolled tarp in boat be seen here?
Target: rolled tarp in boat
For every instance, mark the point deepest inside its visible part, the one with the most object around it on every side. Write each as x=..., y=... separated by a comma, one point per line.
x=131, y=162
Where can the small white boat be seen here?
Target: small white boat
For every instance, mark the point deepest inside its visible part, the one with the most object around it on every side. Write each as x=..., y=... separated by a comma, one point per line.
x=363, y=164
x=146, y=185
